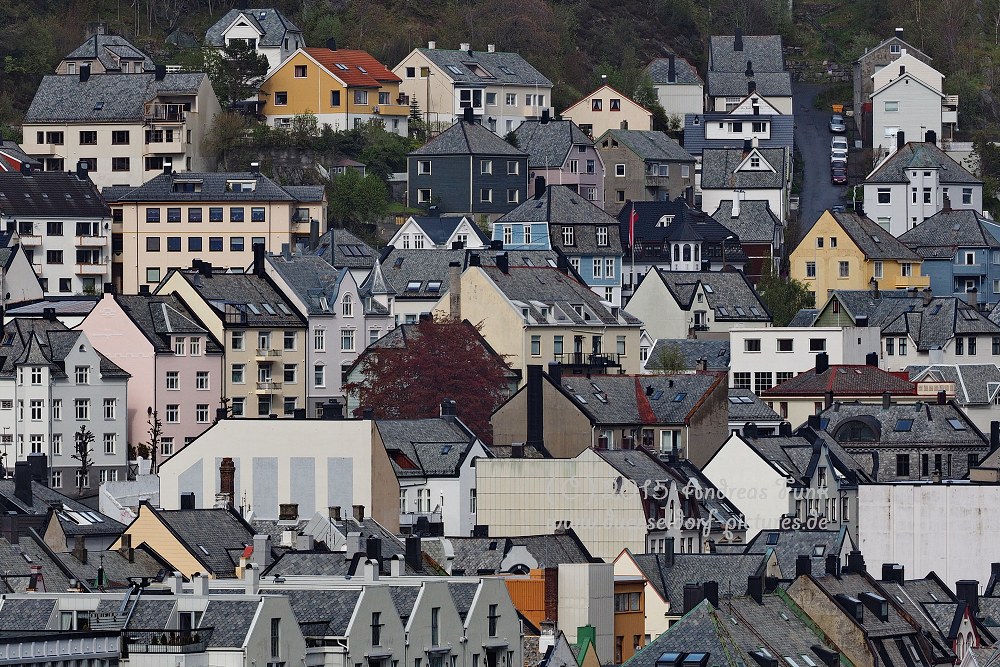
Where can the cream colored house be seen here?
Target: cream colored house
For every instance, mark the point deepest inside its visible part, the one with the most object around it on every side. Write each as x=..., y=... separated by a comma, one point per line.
x=174, y=219
x=502, y=89
x=537, y=315
x=124, y=127
x=607, y=109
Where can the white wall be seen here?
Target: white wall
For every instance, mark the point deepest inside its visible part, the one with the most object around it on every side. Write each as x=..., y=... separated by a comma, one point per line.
x=918, y=110
x=586, y=597
x=678, y=99
x=842, y=347
x=712, y=198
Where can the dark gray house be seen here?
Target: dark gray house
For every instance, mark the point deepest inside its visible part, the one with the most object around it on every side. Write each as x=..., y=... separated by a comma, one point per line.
x=469, y=170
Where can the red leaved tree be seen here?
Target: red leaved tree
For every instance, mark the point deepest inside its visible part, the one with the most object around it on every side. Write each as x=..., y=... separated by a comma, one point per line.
x=436, y=360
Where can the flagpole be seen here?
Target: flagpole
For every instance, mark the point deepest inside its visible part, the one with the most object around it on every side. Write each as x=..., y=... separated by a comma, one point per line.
x=631, y=243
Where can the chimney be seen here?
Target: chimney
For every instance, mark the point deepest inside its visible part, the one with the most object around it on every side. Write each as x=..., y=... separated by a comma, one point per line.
x=749, y=70
x=856, y=562
x=144, y=289
x=900, y=139
x=368, y=414
x=49, y=314
x=496, y=244
x=972, y=297
x=448, y=409
x=822, y=362
x=736, y=206
x=539, y=187
x=747, y=145
x=371, y=570
x=168, y=167
x=474, y=259
x=160, y=72
x=926, y=295
x=930, y=137
x=82, y=170
x=331, y=44
x=431, y=45
x=536, y=417
x=396, y=566
x=288, y=511
x=752, y=88
x=125, y=547
x=893, y=572
x=491, y=48
x=833, y=565
x=261, y=556
x=994, y=436
x=671, y=68
x=251, y=579
x=413, y=557
x=967, y=590
x=38, y=463
x=201, y=586
x=545, y=116
x=373, y=548
x=946, y=204
x=628, y=442
x=84, y=73
x=738, y=40
x=25, y=169
x=711, y=589
x=455, y=290
x=464, y=46
x=555, y=374
x=80, y=549
x=517, y=450
x=22, y=482
x=693, y=595
x=886, y=400
x=255, y=168
x=813, y=422
x=258, y=259
x=668, y=552
x=871, y=359
x=785, y=429
x=188, y=501
x=469, y=115
x=828, y=400
x=902, y=70
x=755, y=587
x=503, y=262
x=313, y=235
x=358, y=512
x=227, y=478
x=333, y=513
x=942, y=397
x=899, y=33
x=803, y=565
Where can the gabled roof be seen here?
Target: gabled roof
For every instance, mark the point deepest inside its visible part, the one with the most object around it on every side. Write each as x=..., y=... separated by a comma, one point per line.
x=874, y=241
x=648, y=145
x=442, y=228
x=943, y=425
x=719, y=169
x=788, y=544
x=736, y=84
x=730, y=571
x=975, y=384
x=756, y=223
x=255, y=298
x=272, y=24
x=210, y=535
x=658, y=70
x=944, y=233
x=764, y=51
x=487, y=555
x=906, y=78
x=46, y=342
x=353, y=67
x=920, y=155
x=50, y=194
x=214, y=186
x=230, y=621
x=498, y=67
x=109, y=49
x=844, y=380
x=796, y=456
x=558, y=204
x=781, y=131
x=912, y=50
x=160, y=317
x=746, y=406
x=934, y=325
x=728, y=293
x=640, y=399
x=715, y=352
x=105, y=97
x=325, y=613
x=548, y=144
x=314, y=281
x=434, y=447
x=349, y=250
x=13, y=156
x=464, y=138
x=656, y=224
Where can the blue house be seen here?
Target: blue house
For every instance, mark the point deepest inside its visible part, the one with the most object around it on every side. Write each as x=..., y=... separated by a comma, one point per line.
x=961, y=252
x=557, y=218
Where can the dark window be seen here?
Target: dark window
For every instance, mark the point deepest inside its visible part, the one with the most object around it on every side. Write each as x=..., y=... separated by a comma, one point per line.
x=281, y=98
x=904, y=425
x=152, y=215
x=902, y=465
x=173, y=215
x=215, y=214
x=334, y=98
x=194, y=243
x=88, y=138
x=236, y=214
x=119, y=137
x=90, y=162
x=194, y=215
x=215, y=244
x=54, y=256
x=54, y=229
x=119, y=164
x=257, y=214
x=173, y=244
x=236, y=243
x=65, y=285
x=152, y=244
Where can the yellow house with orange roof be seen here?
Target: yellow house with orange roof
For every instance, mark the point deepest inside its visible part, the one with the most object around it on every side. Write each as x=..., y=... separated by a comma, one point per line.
x=343, y=88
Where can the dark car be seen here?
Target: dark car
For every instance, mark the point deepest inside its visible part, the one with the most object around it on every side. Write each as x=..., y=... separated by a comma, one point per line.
x=838, y=174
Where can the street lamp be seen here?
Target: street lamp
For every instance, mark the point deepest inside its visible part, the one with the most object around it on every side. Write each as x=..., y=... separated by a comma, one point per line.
x=731, y=236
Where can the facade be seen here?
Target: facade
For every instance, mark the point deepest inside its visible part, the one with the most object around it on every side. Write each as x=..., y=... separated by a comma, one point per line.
x=850, y=252
x=607, y=109
x=62, y=226
x=502, y=89
x=643, y=165
x=20, y=280
x=907, y=98
x=755, y=173
x=175, y=363
x=269, y=31
x=678, y=86
x=125, y=128
x=55, y=386
x=263, y=336
x=761, y=234
x=742, y=64
x=694, y=304
x=752, y=119
x=562, y=154
x=469, y=170
x=106, y=54
x=874, y=59
x=176, y=218
x=435, y=232
x=343, y=88
x=911, y=185
x=973, y=386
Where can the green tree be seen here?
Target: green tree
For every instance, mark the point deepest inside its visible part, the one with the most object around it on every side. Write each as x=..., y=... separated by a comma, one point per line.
x=987, y=157
x=227, y=131
x=236, y=71
x=345, y=197
x=670, y=359
x=783, y=297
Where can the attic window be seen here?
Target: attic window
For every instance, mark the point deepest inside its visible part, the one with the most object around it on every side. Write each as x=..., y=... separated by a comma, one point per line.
x=756, y=311
x=414, y=286
x=772, y=538
x=680, y=396
x=580, y=398
x=708, y=288
x=657, y=395
x=506, y=70
x=956, y=424
x=99, y=105
x=903, y=425
x=445, y=449
x=269, y=309
x=433, y=285
x=723, y=311
x=455, y=69
x=819, y=550
x=8, y=339
x=398, y=263
x=602, y=398
x=253, y=309
x=740, y=311
x=202, y=549
x=341, y=66
x=284, y=309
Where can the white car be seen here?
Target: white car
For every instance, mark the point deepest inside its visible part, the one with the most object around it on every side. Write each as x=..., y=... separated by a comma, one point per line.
x=838, y=155
x=837, y=125
x=838, y=142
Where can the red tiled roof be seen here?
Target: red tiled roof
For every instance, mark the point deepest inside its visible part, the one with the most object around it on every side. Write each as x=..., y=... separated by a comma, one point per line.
x=844, y=380
x=373, y=76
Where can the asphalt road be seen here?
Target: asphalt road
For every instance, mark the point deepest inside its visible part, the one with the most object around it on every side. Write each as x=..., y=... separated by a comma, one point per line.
x=812, y=139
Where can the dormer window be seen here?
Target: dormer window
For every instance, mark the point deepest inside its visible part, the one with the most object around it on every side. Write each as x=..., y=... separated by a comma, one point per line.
x=568, y=236
x=241, y=186
x=602, y=236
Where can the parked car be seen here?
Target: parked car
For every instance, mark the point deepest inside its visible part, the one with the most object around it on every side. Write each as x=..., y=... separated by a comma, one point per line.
x=838, y=155
x=838, y=173
x=838, y=142
x=837, y=209
x=837, y=125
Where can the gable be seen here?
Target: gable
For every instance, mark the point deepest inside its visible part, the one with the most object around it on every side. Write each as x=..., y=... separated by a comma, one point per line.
x=243, y=27
x=150, y=530
x=746, y=106
x=756, y=162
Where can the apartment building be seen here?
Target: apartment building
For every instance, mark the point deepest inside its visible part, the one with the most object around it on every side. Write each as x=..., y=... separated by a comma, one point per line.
x=267, y=30
x=678, y=86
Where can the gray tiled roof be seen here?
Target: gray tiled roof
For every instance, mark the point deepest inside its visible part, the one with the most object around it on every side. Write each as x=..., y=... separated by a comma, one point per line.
x=683, y=223
x=756, y=223
x=105, y=48
x=684, y=72
x=640, y=399
x=561, y=205
x=855, y=584
x=548, y=144
x=932, y=326
x=117, y=568
x=15, y=565
x=485, y=555
x=765, y=51
x=463, y=595
x=649, y=145
x=729, y=570
x=306, y=193
x=349, y=250
x=703, y=630
x=326, y=613
x=726, y=292
x=787, y=545
x=441, y=228
x=941, y=235
x=46, y=342
x=230, y=620
x=214, y=188
x=104, y=97
x=242, y=290
x=149, y=614
x=794, y=455
x=159, y=317
x=757, y=410
x=50, y=194
x=312, y=279
x=217, y=530
x=920, y=155
x=718, y=169
x=425, y=447
x=404, y=597
x=975, y=384
x=735, y=84
x=522, y=73
x=931, y=424
x=715, y=352
x=467, y=139
x=874, y=241
x=781, y=132
x=12, y=150
x=25, y=613
x=805, y=317
x=270, y=21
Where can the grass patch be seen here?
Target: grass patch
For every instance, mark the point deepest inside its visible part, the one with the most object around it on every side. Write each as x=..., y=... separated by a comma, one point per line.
x=837, y=93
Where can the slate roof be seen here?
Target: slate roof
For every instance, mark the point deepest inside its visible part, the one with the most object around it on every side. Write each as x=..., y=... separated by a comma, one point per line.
x=485, y=555
x=920, y=155
x=306, y=193
x=756, y=222
x=11, y=155
x=874, y=241
x=105, y=97
x=640, y=399
x=159, y=317
x=718, y=169
x=730, y=571
x=105, y=48
x=559, y=204
x=117, y=569
x=727, y=293
x=15, y=567
x=794, y=455
x=844, y=380
x=548, y=144
x=425, y=447
x=765, y=51
x=404, y=597
x=789, y=544
x=940, y=425
x=936, y=324
x=47, y=194
x=363, y=69
x=518, y=70
x=73, y=305
x=735, y=84
x=740, y=411
x=149, y=613
x=855, y=584
x=214, y=188
x=941, y=235
x=781, y=135
x=26, y=613
x=684, y=72
x=975, y=384
x=463, y=594
x=333, y=563
x=441, y=228
x=530, y=286
x=805, y=317
x=217, y=530
x=230, y=620
x=349, y=250
x=649, y=145
x=325, y=613
x=269, y=21
x=312, y=278
x=467, y=139
x=685, y=223
x=241, y=291
x=45, y=342
x=714, y=351
x=704, y=630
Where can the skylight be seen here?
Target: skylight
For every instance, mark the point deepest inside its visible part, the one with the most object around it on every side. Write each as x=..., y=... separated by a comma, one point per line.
x=956, y=424
x=414, y=286
x=455, y=69
x=253, y=309
x=269, y=309
x=657, y=395
x=740, y=311
x=433, y=285
x=772, y=538
x=680, y=396
x=708, y=288
x=580, y=398
x=341, y=66
x=903, y=425
x=756, y=311
x=506, y=70
x=202, y=548
x=723, y=311
x=362, y=69
x=283, y=308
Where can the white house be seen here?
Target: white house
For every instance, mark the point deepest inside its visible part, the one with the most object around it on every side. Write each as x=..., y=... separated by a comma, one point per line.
x=907, y=97
x=429, y=232
x=678, y=86
x=270, y=32
x=751, y=173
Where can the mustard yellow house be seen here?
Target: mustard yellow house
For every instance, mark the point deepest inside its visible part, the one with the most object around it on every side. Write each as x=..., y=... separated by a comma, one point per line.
x=343, y=88
x=846, y=251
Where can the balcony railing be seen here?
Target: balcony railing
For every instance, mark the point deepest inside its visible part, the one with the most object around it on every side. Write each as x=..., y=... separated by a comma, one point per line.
x=167, y=641
x=158, y=112
x=268, y=386
x=91, y=269
x=30, y=240
x=267, y=354
x=589, y=359
x=92, y=241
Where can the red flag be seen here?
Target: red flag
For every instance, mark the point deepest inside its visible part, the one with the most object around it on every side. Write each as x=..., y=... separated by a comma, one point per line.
x=633, y=217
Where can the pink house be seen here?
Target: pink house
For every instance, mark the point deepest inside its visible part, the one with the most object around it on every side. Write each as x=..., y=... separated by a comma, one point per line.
x=176, y=365
x=561, y=153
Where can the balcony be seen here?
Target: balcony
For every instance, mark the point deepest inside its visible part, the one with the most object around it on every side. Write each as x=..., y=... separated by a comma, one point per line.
x=263, y=354
x=92, y=241
x=426, y=523
x=57, y=150
x=969, y=269
x=156, y=112
x=167, y=641
x=391, y=110
x=91, y=269
x=165, y=148
x=589, y=361
x=38, y=268
x=30, y=240
x=268, y=387
x=655, y=181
